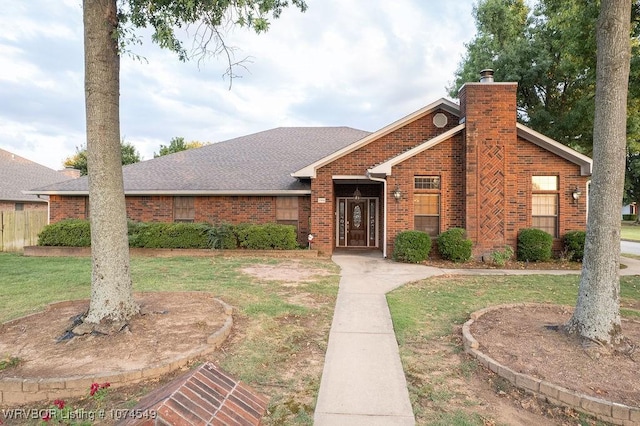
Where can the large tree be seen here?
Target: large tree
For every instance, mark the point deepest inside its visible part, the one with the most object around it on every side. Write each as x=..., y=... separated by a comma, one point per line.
x=108, y=26
x=597, y=313
x=78, y=161
x=550, y=52
x=177, y=144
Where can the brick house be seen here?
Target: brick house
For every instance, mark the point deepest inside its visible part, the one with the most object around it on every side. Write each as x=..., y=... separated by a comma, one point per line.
x=17, y=175
x=446, y=165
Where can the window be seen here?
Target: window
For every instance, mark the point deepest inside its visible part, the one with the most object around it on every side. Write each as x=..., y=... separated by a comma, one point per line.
x=427, y=182
x=544, y=204
x=426, y=208
x=287, y=211
x=184, y=209
x=427, y=213
x=19, y=207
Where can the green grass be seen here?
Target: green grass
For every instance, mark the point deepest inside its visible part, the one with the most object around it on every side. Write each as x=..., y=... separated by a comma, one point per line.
x=630, y=232
x=271, y=326
x=425, y=313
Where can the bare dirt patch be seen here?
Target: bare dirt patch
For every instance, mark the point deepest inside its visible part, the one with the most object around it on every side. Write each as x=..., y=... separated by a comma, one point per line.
x=171, y=325
x=517, y=337
x=289, y=272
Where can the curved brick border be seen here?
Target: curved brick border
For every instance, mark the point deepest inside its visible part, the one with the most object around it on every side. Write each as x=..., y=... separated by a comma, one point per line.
x=21, y=391
x=608, y=411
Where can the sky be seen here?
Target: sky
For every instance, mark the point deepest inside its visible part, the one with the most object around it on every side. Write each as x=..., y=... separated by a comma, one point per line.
x=356, y=63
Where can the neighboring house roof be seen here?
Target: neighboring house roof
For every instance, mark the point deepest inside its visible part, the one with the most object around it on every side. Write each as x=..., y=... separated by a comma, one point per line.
x=18, y=174
x=260, y=163
x=310, y=170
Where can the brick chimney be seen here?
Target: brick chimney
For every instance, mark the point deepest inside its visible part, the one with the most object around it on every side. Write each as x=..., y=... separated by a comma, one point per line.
x=489, y=111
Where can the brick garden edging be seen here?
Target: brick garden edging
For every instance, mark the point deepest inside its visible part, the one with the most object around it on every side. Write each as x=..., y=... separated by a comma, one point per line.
x=56, y=251
x=21, y=391
x=608, y=411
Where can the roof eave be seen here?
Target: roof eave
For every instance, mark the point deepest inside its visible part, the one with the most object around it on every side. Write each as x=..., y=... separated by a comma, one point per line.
x=442, y=103
x=186, y=193
x=557, y=148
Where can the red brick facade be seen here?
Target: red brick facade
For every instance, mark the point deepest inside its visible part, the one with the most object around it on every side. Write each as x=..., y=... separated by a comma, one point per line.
x=212, y=209
x=485, y=171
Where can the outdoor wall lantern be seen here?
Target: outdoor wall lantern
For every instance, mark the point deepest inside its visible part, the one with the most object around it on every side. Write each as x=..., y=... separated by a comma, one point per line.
x=357, y=195
x=397, y=194
x=576, y=194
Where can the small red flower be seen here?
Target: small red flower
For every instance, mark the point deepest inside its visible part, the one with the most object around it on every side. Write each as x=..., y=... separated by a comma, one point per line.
x=59, y=403
x=46, y=417
x=94, y=388
x=105, y=385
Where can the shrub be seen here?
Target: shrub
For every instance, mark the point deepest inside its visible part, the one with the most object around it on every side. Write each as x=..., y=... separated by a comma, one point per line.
x=534, y=245
x=67, y=233
x=170, y=235
x=222, y=236
x=453, y=245
x=574, y=244
x=630, y=217
x=411, y=247
x=501, y=257
x=266, y=237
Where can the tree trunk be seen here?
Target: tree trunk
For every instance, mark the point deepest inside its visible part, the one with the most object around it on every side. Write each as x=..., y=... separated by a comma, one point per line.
x=597, y=313
x=111, y=286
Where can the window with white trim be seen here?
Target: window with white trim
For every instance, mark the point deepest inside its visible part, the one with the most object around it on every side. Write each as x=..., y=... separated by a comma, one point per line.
x=544, y=204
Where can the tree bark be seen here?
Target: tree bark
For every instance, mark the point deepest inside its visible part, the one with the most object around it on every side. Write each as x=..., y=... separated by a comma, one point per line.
x=111, y=286
x=597, y=313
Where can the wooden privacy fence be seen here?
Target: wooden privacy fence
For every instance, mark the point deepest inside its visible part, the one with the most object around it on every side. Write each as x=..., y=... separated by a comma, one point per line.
x=20, y=229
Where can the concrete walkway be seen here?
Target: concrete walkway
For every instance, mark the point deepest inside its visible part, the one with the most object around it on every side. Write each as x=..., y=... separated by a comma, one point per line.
x=363, y=382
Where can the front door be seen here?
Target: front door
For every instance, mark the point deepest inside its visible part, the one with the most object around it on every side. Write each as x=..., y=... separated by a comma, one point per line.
x=357, y=223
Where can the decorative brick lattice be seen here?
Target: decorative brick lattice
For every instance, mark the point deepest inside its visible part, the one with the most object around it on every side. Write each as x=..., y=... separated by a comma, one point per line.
x=204, y=396
x=492, y=190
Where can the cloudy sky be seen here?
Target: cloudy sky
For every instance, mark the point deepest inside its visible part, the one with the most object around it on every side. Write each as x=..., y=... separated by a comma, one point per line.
x=356, y=63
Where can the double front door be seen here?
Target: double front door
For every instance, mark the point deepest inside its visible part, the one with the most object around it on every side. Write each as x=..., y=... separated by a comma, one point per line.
x=357, y=222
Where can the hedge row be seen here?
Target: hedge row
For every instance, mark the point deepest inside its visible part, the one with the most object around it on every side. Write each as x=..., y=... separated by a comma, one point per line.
x=534, y=245
x=76, y=233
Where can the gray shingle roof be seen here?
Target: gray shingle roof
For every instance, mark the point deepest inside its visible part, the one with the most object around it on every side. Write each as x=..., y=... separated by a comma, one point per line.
x=18, y=174
x=259, y=163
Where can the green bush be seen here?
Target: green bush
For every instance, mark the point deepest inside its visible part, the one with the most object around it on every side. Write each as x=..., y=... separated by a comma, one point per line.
x=411, y=247
x=453, y=245
x=501, y=257
x=573, y=242
x=223, y=237
x=68, y=233
x=534, y=245
x=266, y=237
x=630, y=217
x=170, y=235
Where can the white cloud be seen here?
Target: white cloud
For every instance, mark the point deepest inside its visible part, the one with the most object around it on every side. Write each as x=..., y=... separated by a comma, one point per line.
x=340, y=63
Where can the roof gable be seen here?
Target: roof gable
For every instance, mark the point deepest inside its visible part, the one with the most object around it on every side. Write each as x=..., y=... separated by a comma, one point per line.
x=556, y=147
x=530, y=135
x=444, y=104
x=385, y=168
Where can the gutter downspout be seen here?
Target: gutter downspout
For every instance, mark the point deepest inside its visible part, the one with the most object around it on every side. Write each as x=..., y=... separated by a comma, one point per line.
x=384, y=213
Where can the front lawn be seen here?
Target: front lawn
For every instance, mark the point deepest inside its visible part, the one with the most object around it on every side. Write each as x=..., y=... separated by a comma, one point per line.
x=445, y=385
x=281, y=327
x=630, y=231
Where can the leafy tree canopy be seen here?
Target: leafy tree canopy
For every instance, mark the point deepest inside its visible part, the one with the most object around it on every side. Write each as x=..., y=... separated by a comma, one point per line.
x=550, y=51
x=177, y=144
x=78, y=160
